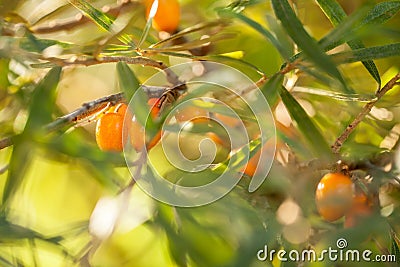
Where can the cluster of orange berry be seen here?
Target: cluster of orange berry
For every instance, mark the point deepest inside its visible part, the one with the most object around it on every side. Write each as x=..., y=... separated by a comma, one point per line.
x=110, y=134
x=336, y=196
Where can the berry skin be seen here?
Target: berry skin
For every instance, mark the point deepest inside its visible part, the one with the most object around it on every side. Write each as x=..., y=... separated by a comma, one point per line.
x=109, y=132
x=360, y=209
x=334, y=196
x=167, y=16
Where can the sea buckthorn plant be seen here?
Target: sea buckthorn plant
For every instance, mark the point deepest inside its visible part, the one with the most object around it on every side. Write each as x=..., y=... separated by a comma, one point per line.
x=103, y=103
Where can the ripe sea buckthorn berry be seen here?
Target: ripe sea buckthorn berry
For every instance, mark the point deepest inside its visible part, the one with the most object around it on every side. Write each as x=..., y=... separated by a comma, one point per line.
x=137, y=131
x=109, y=132
x=334, y=196
x=167, y=16
x=360, y=208
x=154, y=109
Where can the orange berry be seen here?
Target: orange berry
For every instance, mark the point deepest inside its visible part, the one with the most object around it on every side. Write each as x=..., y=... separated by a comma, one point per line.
x=154, y=109
x=109, y=132
x=334, y=196
x=137, y=131
x=251, y=166
x=360, y=208
x=167, y=16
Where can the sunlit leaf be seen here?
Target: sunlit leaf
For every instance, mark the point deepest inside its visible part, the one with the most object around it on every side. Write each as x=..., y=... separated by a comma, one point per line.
x=382, y=12
x=369, y=53
x=271, y=89
x=196, y=43
x=336, y=15
x=255, y=25
x=189, y=30
x=310, y=47
x=127, y=81
x=100, y=18
x=305, y=124
x=40, y=113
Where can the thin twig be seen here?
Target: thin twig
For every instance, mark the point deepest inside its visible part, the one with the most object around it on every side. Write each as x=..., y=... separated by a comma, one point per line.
x=79, y=19
x=148, y=62
x=367, y=109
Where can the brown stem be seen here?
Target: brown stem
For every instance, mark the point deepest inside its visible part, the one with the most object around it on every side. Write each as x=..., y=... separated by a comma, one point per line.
x=364, y=112
x=170, y=75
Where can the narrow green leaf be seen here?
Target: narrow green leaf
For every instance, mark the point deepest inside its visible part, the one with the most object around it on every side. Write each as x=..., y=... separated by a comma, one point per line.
x=368, y=64
x=271, y=89
x=333, y=11
x=134, y=94
x=310, y=47
x=336, y=15
x=319, y=146
x=145, y=32
x=369, y=53
x=100, y=18
x=43, y=101
x=189, y=30
x=394, y=250
x=382, y=12
x=127, y=81
x=4, y=69
x=195, y=43
x=40, y=111
x=255, y=25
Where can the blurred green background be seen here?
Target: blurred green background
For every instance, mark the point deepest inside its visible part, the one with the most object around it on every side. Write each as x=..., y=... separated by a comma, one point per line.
x=51, y=183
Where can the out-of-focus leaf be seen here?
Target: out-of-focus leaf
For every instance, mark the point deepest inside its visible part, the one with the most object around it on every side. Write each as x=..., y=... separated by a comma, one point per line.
x=43, y=101
x=146, y=31
x=271, y=89
x=100, y=18
x=4, y=68
x=305, y=125
x=10, y=232
x=281, y=35
x=127, y=81
x=239, y=157
x=129, y=84
x=186, y=31
x=6, y=263
x=195, y=43
x=336, y=15
x=310, y=47
x=40, y=113
x=394, y=249
x=369, y=53
x=255, y=25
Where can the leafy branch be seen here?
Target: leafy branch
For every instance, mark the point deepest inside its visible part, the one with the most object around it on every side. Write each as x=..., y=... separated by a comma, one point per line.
x=88, y=109
x=367, y=108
